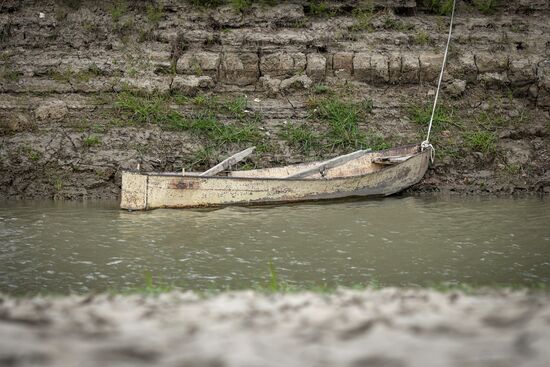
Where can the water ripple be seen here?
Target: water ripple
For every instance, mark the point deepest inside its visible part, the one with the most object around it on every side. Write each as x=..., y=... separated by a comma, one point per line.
x=63, y=247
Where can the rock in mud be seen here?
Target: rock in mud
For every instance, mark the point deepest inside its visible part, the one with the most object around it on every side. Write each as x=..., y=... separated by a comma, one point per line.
x=316, y=66
x=271, y=85
x=15, y=123
x=239, y=69
x=430, y=66
x=491, y=62
x=379, y=69
x=190, y=85
x=199, y=63
x=342, y=64
x=297, y=82
x=362, y=66
x=517, y=152
x=281, y=64
x=54, y=110
x=456, y=88
x=160, y=84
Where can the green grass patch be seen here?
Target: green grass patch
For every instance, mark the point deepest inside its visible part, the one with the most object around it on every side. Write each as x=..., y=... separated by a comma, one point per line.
x=397, y=25
x=72, y=4
x=236, y=106
x=274, y=284
x=362, y=19
x=206, y=101
x=376, y=141
x=58, y=184
x=207, y=124
x=125, y=29
x=443, y=118
x=7, y=71
x=481, y=141
x=486, y=6
x=343, y=123
x=64, y=75
x=91, y=141
x=97, y=128
x=321, y=89
x=246, y=166
x=422, y=38
x=447, y=149
x=489, y=120
x=117, y=9
x=31, y=153
x=9, y=74
x=196, y=67
x=154, y=13
x=342, y=120
x=321, y=9
x=150, y=287
x=441, y=7
x=202, y=157
x=300, y=137
x=207, y=3
x=69, y=75
x=86, y=75
x=180, y=99
x=137, y=109
x=145, y=109
x=240, y=5
x=513, y=169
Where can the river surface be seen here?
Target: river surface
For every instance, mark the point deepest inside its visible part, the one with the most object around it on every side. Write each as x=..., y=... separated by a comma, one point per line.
x=62, y=247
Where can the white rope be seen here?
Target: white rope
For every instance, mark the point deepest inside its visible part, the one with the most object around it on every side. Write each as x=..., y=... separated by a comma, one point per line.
x=426, y=143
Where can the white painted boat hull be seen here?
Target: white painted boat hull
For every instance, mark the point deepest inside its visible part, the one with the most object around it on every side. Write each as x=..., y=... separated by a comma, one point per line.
x=361, y=177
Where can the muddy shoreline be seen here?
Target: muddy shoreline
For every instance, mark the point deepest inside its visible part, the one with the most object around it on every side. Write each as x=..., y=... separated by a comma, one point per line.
x=386, y=327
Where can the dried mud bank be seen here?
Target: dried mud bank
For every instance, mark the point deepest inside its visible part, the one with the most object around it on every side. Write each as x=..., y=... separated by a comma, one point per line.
x=88, y=89
x=388, y=327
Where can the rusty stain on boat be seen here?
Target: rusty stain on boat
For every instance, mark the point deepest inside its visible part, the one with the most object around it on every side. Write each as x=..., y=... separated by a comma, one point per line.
x=358, y=177
x=183, y=185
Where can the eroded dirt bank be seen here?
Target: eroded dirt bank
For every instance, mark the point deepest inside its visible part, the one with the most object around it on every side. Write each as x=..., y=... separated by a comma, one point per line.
x=389, y=327
x=90, y=88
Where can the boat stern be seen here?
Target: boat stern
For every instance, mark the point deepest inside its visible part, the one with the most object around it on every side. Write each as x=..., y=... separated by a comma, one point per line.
x=133, y=194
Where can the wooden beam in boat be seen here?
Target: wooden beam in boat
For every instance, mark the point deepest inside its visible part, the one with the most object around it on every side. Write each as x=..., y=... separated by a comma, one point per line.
x=331, y=163
x=234, y=159
x=391, y=160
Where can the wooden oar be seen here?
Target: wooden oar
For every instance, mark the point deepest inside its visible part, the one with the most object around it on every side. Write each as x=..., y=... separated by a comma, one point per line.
x=234, y=159
x=331, y=163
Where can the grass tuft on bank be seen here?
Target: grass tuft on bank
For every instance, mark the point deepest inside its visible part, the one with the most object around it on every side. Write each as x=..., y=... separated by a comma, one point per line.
x=335, y=123
x=420, y=114
x=481, y=141
x=440, y=7
x=216, y=121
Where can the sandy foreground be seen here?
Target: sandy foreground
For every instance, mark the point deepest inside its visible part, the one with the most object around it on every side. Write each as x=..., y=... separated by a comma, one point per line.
x=388, y=327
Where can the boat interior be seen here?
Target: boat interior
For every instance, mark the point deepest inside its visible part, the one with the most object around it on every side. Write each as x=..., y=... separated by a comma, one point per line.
x=353, y=164
x=366, y=163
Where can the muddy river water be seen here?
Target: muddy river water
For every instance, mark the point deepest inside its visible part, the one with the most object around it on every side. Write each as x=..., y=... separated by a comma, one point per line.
x=63, y=247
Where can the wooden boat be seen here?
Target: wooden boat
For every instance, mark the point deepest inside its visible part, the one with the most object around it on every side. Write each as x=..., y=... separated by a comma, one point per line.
x=361, y=173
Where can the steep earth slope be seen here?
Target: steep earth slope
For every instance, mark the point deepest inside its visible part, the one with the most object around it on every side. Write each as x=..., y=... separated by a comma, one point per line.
x=90, y=88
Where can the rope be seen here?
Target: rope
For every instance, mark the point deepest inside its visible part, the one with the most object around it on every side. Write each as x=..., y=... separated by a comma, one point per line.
x=426, y=143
